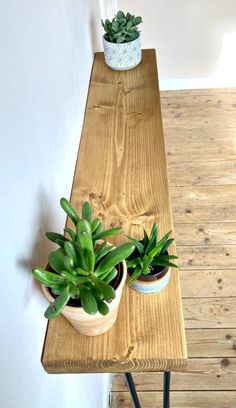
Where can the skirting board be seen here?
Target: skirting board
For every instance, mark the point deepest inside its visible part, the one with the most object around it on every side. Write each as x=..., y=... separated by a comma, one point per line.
x=168, y=84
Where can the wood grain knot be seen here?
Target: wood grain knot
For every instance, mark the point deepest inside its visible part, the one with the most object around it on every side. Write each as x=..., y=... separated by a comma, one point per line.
x=96, y=202
x=225, y=362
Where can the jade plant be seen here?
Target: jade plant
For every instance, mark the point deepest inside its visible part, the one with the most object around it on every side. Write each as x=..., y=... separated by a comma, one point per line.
x=82, y=268
x=149, y=254
x=122, y=28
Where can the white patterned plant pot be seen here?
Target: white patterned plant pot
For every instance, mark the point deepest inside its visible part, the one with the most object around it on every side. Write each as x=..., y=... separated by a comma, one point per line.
x=122, y=56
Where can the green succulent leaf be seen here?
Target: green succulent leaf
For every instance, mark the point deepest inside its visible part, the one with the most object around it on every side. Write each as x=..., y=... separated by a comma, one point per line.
x=137, y=20
x=46, y=277
x=114, y=258
x=167, y=245
x=102, y=307
x=138, y=244
x=157, y=249
x=71, y=233
x=104, y=252
x=56, y=260
x=137, y=272
x=115, y=26
x=110, y=276
x=132, y=263
x=96, y=226
x=89, y=259
x=120, y=15
x=70, y=211
x=80, y=271
x=69, y=265
x=153, y=239
x=57, y=238
x=58, y=288
x=106, y=233
x=99, y=248
x=58, y=305
x=88, y=301
x=84, y=235
x=104, y=275
x=87, y=211
x=164, y=263
x=107, y=290
x=74, y=279
x=71, y=252
x=145, y=237
x=96, y=293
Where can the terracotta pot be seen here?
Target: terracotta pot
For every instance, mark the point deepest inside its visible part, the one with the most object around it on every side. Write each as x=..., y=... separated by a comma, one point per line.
x=151, y=283
x=93, y=325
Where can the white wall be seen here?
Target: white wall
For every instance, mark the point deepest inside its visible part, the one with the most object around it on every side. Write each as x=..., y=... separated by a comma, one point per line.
x=195, y=40
x=46, y=58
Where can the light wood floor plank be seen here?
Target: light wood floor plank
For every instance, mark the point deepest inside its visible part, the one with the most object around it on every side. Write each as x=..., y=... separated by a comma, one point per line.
x=203, y=374
x=204, y=212
x=211, y=342
x=196, y=399
x=206, y=313
x=208, y=283
x=207, y=257
x=218, y=233
x=203, y=194
x=202, y=173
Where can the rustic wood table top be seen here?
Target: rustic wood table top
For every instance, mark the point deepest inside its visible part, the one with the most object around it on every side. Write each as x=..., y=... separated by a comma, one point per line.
x=121, y=170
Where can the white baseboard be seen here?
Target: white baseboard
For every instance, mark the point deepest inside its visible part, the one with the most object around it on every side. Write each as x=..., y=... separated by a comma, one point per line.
x=195, y=83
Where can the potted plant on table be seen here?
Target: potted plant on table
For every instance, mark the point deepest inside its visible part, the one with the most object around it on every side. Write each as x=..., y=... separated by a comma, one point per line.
x=149, y=265
x=121, y=41
x=85, y=277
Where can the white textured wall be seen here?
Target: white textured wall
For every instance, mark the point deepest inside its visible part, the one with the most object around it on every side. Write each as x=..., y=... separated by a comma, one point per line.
x=46, y=58
x=195, y=40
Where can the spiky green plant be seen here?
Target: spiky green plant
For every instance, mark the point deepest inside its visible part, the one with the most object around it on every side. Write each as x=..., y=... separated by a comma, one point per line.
x=82, y=268
x=122, y=28
x=150, y=253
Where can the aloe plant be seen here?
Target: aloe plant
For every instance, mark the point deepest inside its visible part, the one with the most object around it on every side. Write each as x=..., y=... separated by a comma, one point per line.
x=122, y=28
x=82, y=268
x=150, y=253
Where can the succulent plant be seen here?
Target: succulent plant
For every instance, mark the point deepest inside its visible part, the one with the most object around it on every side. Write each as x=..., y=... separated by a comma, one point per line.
x=122, y=28
x=82, y=268
x=150, y=253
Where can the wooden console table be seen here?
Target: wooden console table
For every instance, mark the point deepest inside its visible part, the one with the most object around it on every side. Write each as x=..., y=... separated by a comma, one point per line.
x=121, y=170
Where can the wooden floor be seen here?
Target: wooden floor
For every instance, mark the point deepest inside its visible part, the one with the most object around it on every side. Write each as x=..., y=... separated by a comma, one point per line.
x=200, y=134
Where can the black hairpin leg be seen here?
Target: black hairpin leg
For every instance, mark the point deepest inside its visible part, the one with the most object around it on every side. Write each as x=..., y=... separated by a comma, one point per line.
x=132, y=390
x=166, y=390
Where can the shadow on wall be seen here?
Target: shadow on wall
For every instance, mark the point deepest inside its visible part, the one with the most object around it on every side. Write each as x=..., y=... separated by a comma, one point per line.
x=41, y=246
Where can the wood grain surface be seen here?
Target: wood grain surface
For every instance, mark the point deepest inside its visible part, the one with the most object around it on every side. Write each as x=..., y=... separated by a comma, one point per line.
x=121, y=170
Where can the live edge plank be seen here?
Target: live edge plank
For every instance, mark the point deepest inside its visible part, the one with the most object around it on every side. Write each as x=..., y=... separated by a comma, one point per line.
x=121, y=170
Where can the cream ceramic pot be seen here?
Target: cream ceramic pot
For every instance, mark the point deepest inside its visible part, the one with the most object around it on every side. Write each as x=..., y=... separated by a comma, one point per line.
x=93, y=325
x=122, y=56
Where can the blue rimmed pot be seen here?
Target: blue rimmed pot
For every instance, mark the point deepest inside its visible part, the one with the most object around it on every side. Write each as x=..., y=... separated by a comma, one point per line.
x=122, y=56
x=153, y=282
